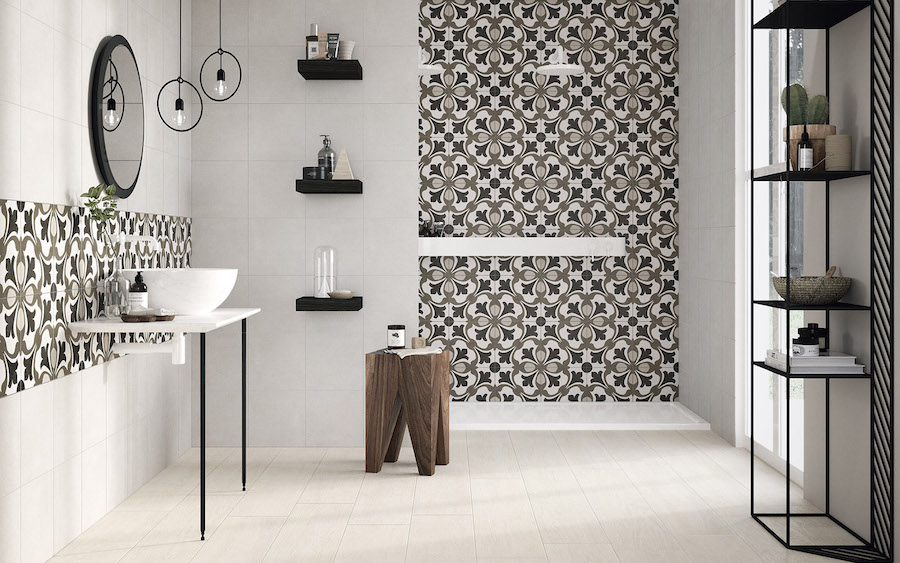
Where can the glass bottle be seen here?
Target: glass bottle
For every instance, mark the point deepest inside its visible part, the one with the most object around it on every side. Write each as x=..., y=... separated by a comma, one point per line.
x=115, y=287
x=324, y=266
x=327, y=156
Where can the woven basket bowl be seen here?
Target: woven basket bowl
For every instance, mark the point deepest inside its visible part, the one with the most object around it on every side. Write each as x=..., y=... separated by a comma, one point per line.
x=813, y=290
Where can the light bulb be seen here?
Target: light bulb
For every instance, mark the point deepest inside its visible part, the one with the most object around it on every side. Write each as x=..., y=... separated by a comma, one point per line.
x=180, y=118
x=221, y=87
x=110, y=116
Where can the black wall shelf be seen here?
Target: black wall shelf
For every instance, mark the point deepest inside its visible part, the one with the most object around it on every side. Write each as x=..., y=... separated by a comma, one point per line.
x=330, y=186
x=797, y=176
x=316, y=304
x=779, y=304
x=330, y=70
x=811, y=14
x=777, y=371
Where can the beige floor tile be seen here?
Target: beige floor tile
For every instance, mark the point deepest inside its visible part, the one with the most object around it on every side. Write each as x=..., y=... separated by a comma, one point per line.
x=580, y=553
x=560, y=508
x=337, y=478
x=504, y=521
x=183, y=523
x=152, y=501
x=625, y=445
x=244, y=539
x=441, y=538
x=448, y=490
x=385, y=498
x=99, y=557
x=170, y=553
x=372, y=544
x=682, y=511
x=278, y=488
x=582, y=448
x=226, y=477
x=312, y=532
x=639, y=554
x=715, y=549
x=536, y=449
x=116, y=530
x=491, y=456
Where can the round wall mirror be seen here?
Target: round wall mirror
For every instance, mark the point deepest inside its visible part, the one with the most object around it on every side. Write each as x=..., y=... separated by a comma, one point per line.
x=117, y=115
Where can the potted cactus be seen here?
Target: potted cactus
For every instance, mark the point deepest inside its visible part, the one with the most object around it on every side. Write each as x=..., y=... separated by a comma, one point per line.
x=812, y=112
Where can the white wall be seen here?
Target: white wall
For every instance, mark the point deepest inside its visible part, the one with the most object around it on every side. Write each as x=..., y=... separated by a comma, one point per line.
x=72, y=449
x=707, y=212
x=306, y=370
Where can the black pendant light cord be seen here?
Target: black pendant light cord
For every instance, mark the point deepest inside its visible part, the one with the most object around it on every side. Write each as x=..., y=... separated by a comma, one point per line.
x=180, y=56
x=220, y=75
x=220, y=35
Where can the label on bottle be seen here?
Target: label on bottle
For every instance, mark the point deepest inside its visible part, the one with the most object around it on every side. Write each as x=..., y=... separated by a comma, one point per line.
x=312, y=49
x=805, y=350
x=396, y=338
x=137, y=299
x=806, y=159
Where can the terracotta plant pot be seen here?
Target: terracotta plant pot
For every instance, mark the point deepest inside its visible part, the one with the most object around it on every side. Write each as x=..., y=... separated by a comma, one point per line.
x=817, y=134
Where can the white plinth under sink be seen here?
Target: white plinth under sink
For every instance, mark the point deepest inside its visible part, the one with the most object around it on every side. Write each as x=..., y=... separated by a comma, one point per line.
x=611, y=415
x=522, y=246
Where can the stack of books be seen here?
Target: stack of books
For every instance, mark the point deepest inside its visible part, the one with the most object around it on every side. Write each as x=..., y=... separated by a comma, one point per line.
x=825, y=363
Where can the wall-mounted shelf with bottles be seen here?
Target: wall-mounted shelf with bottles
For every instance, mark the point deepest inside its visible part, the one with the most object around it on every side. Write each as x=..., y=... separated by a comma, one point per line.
x=330, y=186
x=330, y=70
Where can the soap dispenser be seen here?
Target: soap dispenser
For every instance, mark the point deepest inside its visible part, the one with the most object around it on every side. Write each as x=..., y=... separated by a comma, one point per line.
x=137, y=295
x=327, y=157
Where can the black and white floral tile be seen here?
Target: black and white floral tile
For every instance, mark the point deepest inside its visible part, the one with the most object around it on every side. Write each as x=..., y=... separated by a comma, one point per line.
x=53, y=261
x=507, y=152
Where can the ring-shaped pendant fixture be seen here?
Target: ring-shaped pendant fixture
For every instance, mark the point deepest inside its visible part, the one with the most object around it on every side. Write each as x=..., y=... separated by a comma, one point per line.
x=221, y=53
x=181, y=82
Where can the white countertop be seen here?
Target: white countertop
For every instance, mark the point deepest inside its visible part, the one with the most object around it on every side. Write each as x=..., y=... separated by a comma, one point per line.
x=182, y=323
x=522, y=246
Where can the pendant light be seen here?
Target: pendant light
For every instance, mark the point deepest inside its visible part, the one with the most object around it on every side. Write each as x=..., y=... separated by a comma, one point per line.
x=112, y=114
x=176, y=118
x=222, y=89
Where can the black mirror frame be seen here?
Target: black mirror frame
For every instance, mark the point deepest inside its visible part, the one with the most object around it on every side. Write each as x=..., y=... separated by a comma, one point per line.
x=95, y=114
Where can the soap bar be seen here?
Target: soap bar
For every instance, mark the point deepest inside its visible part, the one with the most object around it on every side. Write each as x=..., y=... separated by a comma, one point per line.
x=418, y=342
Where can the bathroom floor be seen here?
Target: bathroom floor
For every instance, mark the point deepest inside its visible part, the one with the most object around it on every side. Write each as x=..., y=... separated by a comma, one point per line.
x=651, y=496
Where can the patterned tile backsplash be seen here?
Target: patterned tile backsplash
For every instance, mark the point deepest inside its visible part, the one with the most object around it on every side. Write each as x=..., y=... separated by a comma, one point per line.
x=53, y=259
x=507, y=152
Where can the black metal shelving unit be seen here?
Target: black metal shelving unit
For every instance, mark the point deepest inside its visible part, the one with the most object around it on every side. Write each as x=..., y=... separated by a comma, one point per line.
x=824, y=14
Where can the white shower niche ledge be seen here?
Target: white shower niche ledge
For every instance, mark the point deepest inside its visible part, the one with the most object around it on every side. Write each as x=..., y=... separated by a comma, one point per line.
x=178, y=327
x=522, y=246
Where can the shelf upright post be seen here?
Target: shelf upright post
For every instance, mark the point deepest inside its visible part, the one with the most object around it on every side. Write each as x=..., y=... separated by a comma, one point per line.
x=787, y=297
x=752, y=306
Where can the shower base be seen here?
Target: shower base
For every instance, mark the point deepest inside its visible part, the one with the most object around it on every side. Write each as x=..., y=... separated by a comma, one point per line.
x=573, y=416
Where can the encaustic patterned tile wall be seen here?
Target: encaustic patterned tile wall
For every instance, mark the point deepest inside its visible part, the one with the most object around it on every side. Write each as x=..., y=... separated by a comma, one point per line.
x=507, y=152
x=52, y=263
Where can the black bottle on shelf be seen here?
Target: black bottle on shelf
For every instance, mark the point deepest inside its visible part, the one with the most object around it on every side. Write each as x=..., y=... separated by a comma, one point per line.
x=804, y=152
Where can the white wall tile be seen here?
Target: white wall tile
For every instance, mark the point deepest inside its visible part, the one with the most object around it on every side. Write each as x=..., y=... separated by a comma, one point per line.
x=67, y=17
x=390, y=131
x=37, y=156
x=67, y=159
x=391, y=189
x=335, y=418
x=222, y=134
x=343, y=16
x=68, y=89
x=276, y=358
x=93, y=405
x=391, y=22
x=11, y=530
x=390, y=247
x=93, y=484
x=334, y=350
x=277, y=132
x=205, y=22
x=220, y=189
x=66, y=418
x=220, y=243
x=278, y=22
x=391, y=75
x=37, y=439
x=116, y=469
x=66, y=502
x=271, y=190
x=276, y=417
x=93, y=22
x=41, y=10
x=272, y=76
x=10, y=444
x=10, y=53
x=10, y=150
x=116, y=17
x=277, y=247
x=37, y=518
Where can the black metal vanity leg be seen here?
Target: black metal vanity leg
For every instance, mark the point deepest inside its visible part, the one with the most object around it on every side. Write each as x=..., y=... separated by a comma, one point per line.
x=244, y=404
x=202, y=436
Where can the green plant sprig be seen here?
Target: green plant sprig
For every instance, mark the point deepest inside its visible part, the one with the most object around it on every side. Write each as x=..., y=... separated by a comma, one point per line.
x=100, y=200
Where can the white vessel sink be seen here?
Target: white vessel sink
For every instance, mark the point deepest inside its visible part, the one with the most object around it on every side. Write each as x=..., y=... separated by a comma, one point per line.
x=187, y=291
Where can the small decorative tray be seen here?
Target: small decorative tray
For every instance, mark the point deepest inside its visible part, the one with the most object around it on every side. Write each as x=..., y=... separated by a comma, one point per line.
x=145, y=318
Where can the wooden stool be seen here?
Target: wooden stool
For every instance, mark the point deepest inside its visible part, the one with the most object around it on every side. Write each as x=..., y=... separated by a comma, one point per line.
x=415, y=393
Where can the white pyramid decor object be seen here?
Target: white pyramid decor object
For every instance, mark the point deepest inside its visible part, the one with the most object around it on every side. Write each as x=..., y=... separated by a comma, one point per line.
x=342, y=170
